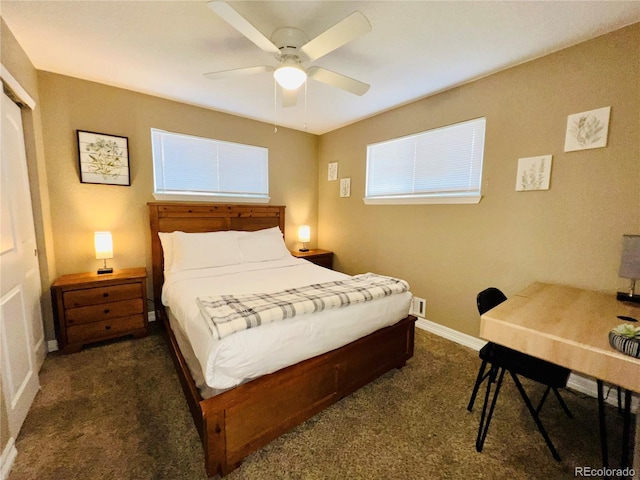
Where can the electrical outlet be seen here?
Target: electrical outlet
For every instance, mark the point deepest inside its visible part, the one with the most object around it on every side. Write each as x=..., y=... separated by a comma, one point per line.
x=419, y=307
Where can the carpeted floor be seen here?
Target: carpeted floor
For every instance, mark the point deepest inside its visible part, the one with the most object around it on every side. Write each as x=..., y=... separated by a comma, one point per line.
x=116, y=411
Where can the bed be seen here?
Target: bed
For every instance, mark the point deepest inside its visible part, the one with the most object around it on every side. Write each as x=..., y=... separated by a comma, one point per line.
x=235, y=418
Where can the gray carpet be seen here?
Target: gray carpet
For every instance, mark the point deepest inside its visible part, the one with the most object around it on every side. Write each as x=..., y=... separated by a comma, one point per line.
x=116, y=411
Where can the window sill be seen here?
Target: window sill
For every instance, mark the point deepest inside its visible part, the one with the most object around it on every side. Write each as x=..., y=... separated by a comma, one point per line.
x=185, y=197
x=433, y=200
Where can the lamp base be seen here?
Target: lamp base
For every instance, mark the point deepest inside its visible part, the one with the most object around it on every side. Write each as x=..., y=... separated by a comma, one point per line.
x=625, y=297
x=303, y=250
x=104, y=270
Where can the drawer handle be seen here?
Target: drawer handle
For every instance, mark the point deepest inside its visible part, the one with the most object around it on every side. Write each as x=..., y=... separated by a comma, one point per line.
x=108, y=327
x=106, y=310
x=105, y=295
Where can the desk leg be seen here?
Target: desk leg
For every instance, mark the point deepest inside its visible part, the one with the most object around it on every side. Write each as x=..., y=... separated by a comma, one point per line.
x=603, y=426
x=636, y=453
x=626, y=428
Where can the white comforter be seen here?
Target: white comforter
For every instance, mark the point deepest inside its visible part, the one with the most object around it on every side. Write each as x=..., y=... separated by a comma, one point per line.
x=268, y=348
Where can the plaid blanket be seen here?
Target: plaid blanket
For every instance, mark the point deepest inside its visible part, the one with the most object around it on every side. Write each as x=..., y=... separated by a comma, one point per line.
x=228, y=314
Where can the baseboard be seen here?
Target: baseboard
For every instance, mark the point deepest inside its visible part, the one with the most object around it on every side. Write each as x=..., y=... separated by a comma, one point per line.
x=8, y=457
x=450, y=334
x=576, y=382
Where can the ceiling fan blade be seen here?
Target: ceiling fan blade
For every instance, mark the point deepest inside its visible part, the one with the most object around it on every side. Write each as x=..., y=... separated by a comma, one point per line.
x=338, y=80
x=289, y=97
x=238, y=72
x=343, y=32
x=237, y=21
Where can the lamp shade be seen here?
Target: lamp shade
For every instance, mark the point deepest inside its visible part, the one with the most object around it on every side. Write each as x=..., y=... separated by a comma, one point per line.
x=290, y=75
x=630, y=260
x=104, y=245
x=304, y=233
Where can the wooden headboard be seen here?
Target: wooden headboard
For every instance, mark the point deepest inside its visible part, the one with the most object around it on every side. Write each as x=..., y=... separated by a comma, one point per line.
x=203, y=217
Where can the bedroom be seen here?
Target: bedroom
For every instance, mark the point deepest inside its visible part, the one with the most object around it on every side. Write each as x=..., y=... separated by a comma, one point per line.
x=570, y=234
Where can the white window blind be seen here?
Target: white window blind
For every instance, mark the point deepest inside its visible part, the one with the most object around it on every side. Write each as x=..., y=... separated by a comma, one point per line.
x=195, y=166
x=443, y=165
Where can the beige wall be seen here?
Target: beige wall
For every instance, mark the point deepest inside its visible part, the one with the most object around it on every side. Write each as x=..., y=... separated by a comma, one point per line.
x=79, y=209
x=570, y=234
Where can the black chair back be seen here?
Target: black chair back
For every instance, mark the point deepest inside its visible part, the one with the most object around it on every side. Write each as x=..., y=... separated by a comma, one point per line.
x=489, y=298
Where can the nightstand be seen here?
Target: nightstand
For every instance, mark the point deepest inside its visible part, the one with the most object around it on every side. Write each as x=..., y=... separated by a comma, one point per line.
x=324, y=258
x=89, y=307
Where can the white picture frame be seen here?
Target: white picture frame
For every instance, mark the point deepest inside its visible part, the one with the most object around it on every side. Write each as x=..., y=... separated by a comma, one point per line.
x=332, y=173
x=345, y=187
x=587, y=130
x=534, y=173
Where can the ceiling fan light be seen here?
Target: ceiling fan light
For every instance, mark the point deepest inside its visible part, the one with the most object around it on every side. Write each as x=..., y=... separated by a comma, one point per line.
x=290, y=76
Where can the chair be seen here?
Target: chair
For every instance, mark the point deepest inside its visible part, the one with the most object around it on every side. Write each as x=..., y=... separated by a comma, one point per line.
x=502, y=359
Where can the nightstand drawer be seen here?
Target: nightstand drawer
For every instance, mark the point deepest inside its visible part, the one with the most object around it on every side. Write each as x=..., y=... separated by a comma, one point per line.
x=91, y=332
x=94, y=296
x=323, y=260
x=95, y=313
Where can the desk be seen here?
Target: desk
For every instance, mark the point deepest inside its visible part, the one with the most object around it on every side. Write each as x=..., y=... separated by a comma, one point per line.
x=569, y=327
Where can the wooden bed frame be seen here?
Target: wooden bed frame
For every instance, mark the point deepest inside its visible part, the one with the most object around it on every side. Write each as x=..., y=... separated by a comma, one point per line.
x=241, y=420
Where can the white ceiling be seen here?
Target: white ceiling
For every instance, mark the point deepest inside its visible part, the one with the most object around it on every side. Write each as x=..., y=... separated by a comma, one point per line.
x=415, y=49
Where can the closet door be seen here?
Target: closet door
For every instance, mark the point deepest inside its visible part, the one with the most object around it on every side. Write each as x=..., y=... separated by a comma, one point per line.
x=21, y=331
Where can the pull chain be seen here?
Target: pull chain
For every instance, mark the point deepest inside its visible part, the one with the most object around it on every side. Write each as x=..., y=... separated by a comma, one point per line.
x=305, y=105
x=275, y=105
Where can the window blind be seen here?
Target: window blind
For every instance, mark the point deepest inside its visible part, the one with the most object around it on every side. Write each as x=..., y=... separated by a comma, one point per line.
x=190, y=165
x=443, y=163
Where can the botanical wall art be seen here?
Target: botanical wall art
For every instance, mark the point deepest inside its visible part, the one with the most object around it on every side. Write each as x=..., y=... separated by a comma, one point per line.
x=587, y=130
x=333, y=171
x=534, y=173
x=345, y=187
x=103, y=158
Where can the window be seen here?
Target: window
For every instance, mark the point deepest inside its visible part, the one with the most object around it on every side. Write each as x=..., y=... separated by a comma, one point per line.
x=194, y=168
x=443, y=165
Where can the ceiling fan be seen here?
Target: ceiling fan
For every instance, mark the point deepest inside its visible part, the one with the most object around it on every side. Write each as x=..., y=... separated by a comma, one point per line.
x=292, y=48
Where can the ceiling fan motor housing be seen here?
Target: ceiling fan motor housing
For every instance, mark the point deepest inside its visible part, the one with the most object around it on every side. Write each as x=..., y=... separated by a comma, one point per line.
x=289, y=40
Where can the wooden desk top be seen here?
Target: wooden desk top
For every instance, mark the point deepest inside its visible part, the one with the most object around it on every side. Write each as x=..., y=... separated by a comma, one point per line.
x=567, y=326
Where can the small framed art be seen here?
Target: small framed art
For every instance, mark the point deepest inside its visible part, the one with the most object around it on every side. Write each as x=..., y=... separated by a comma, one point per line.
x=332, y=171
x=345, y=187
x=534, y=173
x=587, y=130
x=103, y=158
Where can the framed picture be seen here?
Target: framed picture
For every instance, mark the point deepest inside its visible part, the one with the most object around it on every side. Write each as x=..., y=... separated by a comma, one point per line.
x=534, y=173
x=333, y=171
x=103, y=158
x=587, y=130
x=345, y=187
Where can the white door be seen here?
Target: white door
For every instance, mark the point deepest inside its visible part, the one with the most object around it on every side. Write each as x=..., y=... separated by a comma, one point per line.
x=21, y=332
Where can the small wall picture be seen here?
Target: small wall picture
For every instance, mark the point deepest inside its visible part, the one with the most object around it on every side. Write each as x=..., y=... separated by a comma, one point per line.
x=345, y=187
x=534, y=173
x=587, y=130
x=103, y=158
x=333, y=171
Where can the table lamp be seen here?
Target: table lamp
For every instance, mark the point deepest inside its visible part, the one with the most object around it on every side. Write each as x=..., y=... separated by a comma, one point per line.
x=630, y=267
x=304, y=236
x=104, y=249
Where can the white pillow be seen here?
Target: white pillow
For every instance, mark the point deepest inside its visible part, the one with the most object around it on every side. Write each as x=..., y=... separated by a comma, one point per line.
x=166, y=239
x=262, y=245
x=204, y=250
